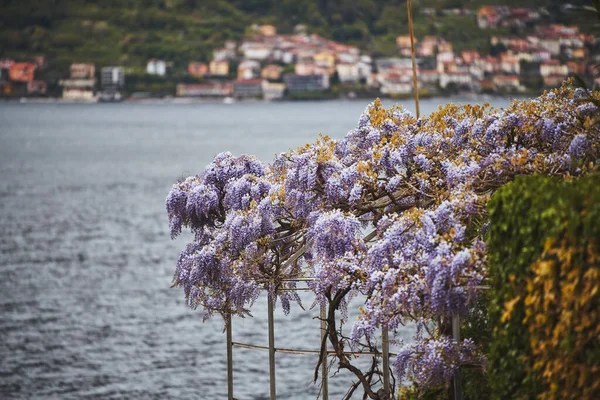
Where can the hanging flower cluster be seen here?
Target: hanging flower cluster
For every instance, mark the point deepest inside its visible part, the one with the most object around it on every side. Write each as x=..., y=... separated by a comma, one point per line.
x=395, y=210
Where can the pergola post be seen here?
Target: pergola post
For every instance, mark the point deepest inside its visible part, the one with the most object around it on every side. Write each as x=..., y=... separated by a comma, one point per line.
x=458, y=395
x=385, y=344
x=272, y=387
x=324, y=377
x=229, y=359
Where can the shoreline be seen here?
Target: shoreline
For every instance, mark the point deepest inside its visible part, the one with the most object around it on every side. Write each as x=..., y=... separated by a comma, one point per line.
x=193, y=100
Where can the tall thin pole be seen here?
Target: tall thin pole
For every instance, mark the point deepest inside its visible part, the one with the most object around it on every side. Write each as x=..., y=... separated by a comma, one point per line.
x=385, y=344
x=324, y=378
x=229, y=359
x=458, y=395
x=412, y=53
x=271, y=305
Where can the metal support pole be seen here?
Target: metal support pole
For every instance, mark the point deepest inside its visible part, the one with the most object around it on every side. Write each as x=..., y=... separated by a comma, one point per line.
x=385, y=344
x=271, y=305
x=324, y=377
x=229, y=360
x=458, y=395
x=412, y=53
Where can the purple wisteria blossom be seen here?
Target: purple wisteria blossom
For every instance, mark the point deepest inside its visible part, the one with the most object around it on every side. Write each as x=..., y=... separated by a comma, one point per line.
x=433, y=362
x=417, y=188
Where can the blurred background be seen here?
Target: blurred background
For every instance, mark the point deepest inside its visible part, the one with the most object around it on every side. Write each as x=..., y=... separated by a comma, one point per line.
x=106, y=104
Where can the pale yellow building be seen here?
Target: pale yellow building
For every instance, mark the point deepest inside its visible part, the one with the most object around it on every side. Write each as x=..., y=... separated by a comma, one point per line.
x=267, y=30
x=219, y=67
x=271, y=72
x=324, y=59
x=403, y=41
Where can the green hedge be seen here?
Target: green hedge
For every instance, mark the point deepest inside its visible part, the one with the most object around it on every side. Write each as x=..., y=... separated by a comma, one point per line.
x=524, y=216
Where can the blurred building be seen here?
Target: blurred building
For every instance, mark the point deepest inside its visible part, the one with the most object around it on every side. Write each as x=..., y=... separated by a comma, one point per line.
x=216, y=89
x=156, y=67
x=248, y=88
x=81, y=83
x=198, y=70
x=83, y=71
x=219, y=67
x=21, y=72
x=306, y=83
x=112, y=79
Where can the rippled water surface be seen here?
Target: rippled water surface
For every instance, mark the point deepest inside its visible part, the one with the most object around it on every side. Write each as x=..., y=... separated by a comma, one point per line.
x=86, y=261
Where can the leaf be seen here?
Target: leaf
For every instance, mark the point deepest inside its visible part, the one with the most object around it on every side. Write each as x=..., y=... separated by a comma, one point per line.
x=508, y=308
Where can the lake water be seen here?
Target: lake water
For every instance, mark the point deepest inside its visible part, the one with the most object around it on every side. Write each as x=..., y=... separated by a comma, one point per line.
x=86, y=261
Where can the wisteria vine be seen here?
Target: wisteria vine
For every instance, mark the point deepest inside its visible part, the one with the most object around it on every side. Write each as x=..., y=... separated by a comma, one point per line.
x=396, y=211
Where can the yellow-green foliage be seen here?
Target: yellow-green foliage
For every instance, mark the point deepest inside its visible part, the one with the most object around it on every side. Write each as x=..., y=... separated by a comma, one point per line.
x=563, y=318
x=545, y=270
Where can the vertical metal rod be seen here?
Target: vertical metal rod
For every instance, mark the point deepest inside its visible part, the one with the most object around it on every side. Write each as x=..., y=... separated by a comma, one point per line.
x=412, y=53
x=271, y=305
x=385, y=344
x=229, y=359
x=458, y=395
x=324, y=377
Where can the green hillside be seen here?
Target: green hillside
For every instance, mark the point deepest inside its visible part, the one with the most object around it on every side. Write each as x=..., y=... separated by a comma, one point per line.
x=128, y=32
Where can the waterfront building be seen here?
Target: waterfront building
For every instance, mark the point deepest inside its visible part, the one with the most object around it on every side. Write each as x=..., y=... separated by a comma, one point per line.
x=248, y=88
x=83, y=71
x=111, y=80
x=112, y=77
x=306, y=83
x=78, y=89
x=215, y=89
x=81, y=83
x=75, y=94
x=21, y=72
x=273, y=91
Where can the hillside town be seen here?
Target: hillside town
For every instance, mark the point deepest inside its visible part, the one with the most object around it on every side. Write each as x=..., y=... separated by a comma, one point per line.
x=272, y=66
